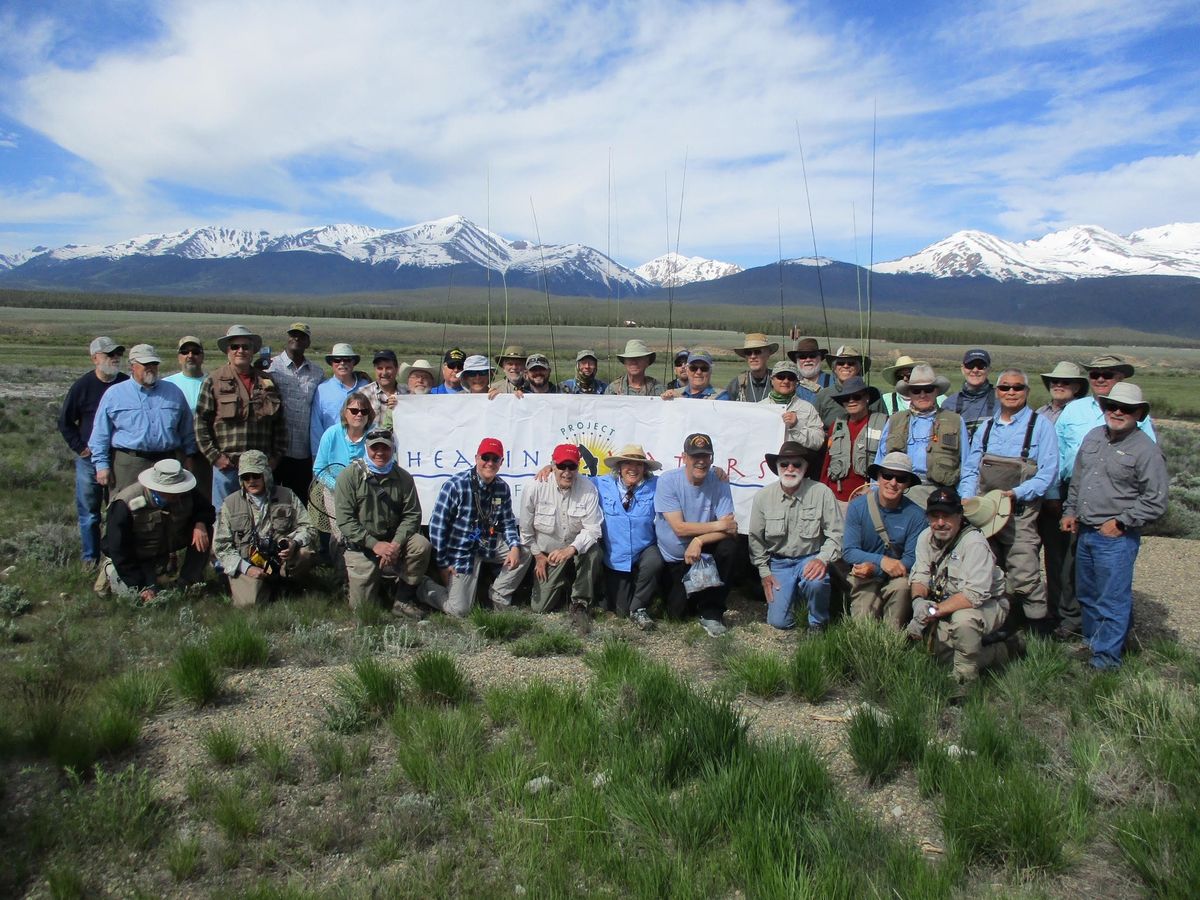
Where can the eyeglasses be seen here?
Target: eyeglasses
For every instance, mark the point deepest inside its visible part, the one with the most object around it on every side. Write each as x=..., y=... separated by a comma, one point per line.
x=1012, y=387
x=240, y=348
x=784, y=376
x=922, y=388
x=357, y=412
x=885, y=475
x=342, y=361
x=791, y=464
x=697, y=368
x=853, y=398
x=566, y=466
x=1106, y=375
x=976, y=366
x=490, y=458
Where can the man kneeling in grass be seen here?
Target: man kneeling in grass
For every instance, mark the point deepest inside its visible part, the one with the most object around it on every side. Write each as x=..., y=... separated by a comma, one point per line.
x=957, y=585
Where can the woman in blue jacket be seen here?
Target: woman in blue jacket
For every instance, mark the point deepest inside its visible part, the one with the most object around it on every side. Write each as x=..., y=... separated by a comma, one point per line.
x=632, y=564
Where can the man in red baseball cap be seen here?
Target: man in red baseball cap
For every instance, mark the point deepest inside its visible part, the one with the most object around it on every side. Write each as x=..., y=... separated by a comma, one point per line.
x=560, y=523
x=473, y=523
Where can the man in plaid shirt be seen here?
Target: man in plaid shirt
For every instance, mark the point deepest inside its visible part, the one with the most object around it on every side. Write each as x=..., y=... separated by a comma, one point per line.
x=473, y=523
x=239, y=409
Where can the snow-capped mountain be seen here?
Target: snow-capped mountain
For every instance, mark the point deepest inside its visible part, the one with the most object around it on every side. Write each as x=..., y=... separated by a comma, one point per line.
x=672, y=270
x=1085, y=251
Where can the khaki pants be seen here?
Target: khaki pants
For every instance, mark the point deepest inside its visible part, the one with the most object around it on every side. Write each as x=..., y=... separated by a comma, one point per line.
x=889, y=600
x=577, y=573
x=960, y=638
x=247, y=592
x=366, y=579
x=461, y=594
x=126, y=467
x=1017, y=547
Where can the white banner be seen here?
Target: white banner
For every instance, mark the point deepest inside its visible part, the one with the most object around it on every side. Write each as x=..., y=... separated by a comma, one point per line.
x=437, y=436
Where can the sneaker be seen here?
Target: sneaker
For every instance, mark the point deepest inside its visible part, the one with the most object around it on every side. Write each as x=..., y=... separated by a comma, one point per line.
x=1083, y=652
x=714, y=627
x=581, y=618
x=815, y=628
x=642, y=620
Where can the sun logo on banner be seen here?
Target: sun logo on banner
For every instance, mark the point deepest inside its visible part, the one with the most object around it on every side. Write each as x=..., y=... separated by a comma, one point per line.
x=596, y=443
x=592, y=456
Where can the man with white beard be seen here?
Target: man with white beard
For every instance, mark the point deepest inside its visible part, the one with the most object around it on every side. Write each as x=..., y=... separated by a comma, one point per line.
x=808, y=355
x=420, y=377
x=795, y=535
x=75, y=425
x=139, y=422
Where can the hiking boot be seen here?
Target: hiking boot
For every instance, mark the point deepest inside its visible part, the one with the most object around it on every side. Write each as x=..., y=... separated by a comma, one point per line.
x=1083, y=653
x=815, y=628
x=406, y=609
x=714, y=627
x=581, y=618
x=1065, y=634
x=642, y=620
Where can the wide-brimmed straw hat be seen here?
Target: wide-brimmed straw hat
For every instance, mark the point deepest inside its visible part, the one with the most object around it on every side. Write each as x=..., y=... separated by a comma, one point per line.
x=422, y=365
x=989, y=512
x=902, y=362
x=855, y=385
x=806, y=345
x=632, y=453
x=167, y=476
x=756, y=340
x=342, y=350
x=1112, y=362
x=896, y=461
x=636, y=349
x=1065, y=371
x=847, y=352
x=1126, y=394
x=790, y=450
x=514, y=352
x=238, y=331
x=923, y=374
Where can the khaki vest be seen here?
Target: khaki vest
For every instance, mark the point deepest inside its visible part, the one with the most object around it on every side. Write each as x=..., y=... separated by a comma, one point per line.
x=943, y=459
x=234, y=404
x=845, y=457
x=620, y=385
x=277, y=521
x=157, y=531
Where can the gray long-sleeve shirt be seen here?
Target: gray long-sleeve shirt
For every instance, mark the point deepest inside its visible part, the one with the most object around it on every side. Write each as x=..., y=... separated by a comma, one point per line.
x=1123, y=479
x=805, y=523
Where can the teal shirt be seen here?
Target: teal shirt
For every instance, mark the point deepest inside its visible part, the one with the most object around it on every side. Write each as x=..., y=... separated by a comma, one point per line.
x=189, y=385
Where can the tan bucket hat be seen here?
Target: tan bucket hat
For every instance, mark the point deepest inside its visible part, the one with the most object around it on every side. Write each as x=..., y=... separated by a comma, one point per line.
x=756, y=340
x=902, y=362
x=896, y=461
x=637, y=349
x=167, y=476
x=847, y=352
x=1065, y=371
x=1125, y=393
x=513, y=351
x=632, y=453
x=1116, y=363
x=923, y=374
x=989, y=512
x=238, y=331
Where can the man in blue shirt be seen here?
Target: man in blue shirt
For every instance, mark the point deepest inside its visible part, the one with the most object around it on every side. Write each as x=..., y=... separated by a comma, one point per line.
x=332, y=392
x=1015, y=452
x=139, y=422
x=699, y=382
x=452, y=366
x=879, y=543
x=694, y=516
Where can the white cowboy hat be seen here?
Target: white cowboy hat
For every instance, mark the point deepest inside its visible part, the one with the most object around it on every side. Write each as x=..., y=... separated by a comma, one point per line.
x=989, y=512
x=923, y=374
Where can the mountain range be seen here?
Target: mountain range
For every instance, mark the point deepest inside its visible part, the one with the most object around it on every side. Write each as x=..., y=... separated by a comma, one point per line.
x=1148, y=280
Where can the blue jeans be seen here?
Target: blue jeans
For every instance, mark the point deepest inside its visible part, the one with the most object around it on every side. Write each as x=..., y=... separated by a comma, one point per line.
x=1104, y=588
x=89, y=498
x=224, y=484
x=814, y=593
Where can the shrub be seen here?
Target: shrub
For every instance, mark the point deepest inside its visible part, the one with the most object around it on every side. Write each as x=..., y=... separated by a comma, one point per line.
x=13, y=601
x=238, y=645
x=762, y=674
x=436, y=678
x=223, y=744
x=549, y=643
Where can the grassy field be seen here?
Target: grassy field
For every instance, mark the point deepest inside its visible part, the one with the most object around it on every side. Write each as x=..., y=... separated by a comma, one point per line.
x=301, y=750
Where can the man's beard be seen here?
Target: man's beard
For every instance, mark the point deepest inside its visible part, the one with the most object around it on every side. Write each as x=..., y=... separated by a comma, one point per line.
x=149, y=379
x=810, y=369
x=419, y=389
x=791, y=478
x=193, y=370
x=110, y=366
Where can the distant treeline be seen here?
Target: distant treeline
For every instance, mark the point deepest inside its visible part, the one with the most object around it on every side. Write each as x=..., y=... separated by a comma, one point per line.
x=470, y=306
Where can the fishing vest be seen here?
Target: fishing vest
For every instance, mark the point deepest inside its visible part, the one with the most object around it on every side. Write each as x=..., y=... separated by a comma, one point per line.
x=232, y=402
x=157, y=532
x=846, y=457
x=943, y=459
x=1003, y=473
x=744, y=386
x=620, y=385
x=276, y=520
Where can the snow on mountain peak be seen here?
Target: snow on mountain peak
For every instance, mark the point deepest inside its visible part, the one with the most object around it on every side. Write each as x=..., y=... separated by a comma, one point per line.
x=672, y=270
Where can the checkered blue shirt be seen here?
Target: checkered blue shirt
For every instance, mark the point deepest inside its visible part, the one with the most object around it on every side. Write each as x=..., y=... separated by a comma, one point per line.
x=454, y=527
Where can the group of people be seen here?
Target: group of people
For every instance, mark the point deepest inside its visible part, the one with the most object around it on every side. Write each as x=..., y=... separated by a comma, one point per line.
x=962, y=517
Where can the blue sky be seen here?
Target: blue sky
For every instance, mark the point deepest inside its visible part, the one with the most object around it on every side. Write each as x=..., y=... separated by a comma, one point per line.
x=1018, y=118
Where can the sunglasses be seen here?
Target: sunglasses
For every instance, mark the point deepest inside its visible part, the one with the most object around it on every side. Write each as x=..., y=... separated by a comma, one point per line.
x=342, y=361
x=976, y=366
x=680, y=361
x=697, y=368
x=757, y=352
x=238, y=348
x=790, y=464
x=566, y=466
x=853, y=398
x=1120, y=408
x=846, y=362
x=357, y=412
x=191, y=351
x=921, y=388
x=1106, y=375
x=379, y=435
x=1012, y=387
x=813, y=355
x=490, y=458
x=885, y=475
x=453, y=366
x=903, y=374
x=784, y=376
x=1061, y=382
x=251, y=476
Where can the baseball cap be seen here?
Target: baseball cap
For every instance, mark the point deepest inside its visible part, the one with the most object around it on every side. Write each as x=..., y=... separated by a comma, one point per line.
x=785, y=366
x=105, y=345
x=454, y=358
x=490, y=445
x=695, y=444
x=253, y=462
x=143, y=354
x=189, y=339
x=945, y=499
x=977, y=354
x=381, y=355
x=566, y=453
x=300, y=327
x=699, y=356
x=537, y=361
x=585, y=354
x=380, y=436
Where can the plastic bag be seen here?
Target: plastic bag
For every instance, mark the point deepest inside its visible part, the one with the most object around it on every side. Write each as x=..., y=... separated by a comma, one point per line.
x=702, y=575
